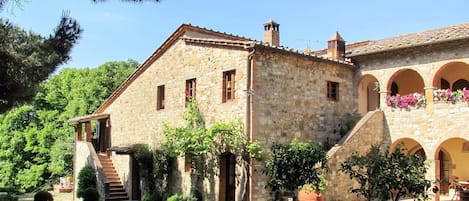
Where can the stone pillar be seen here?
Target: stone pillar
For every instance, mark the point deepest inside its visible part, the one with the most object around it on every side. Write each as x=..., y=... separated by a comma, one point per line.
x=429, y=97
x=437, y=179
x=88, y=131
x=79, y=132
x=382, y=99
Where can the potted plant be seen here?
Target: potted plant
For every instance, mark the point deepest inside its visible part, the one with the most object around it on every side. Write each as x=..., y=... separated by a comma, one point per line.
x=313, y=192
x=294, y=165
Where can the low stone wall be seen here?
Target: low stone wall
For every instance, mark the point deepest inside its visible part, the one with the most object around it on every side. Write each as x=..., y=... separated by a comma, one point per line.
x=369, y=130
x=85, y=154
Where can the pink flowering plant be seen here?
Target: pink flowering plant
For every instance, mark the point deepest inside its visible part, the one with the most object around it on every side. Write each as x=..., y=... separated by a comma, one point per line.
x=412, y=100
x=446, y=95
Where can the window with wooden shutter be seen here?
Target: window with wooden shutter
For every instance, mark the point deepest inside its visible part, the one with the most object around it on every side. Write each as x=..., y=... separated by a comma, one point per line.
x=160, y=98
x=332, y=91
x=190, y=90
x=228, y=85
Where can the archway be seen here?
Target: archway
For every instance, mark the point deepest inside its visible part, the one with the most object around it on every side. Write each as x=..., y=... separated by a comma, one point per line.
x=453, y=75
x=410, y=146
x=451, y=159
x=227, y=177
x=368, y=94
x=405, y=82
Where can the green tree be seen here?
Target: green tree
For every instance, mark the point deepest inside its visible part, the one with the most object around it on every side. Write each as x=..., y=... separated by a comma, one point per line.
x=40, y=139
x=385, y=175
x=28, y=58
x=290, y=166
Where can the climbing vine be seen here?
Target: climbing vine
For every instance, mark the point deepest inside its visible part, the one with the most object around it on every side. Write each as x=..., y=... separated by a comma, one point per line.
x=203, y=145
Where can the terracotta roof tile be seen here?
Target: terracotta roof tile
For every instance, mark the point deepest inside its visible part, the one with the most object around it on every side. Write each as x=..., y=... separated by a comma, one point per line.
x=413, y=39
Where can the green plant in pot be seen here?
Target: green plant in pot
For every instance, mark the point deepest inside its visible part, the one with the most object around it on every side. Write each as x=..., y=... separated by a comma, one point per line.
x=294, y=165
x=313, y=191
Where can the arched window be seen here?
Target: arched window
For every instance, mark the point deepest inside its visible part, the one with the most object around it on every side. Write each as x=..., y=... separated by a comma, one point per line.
x=460, y=84
x=444, y=84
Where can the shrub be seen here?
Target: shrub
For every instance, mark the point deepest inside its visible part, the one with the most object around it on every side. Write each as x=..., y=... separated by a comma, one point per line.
x=177, y=197
x=293, y=165
x=87, y=184
x=154, y=196
x=43, y=196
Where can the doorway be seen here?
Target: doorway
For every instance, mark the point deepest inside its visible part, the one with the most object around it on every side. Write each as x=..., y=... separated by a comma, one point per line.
x=227, y=177
x=445, y=162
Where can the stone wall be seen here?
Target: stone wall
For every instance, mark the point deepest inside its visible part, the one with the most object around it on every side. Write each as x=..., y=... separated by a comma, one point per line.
x=135, y=118
x=368, y=131
x=430, y=128
x=290, y=102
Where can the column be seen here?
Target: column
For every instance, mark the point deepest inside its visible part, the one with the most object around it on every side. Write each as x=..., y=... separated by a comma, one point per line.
x=88, y=131
x=79, y=132
x=382, y=99
x=429, y=98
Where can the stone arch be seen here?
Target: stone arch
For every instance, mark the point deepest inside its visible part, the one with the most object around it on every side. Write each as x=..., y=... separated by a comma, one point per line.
x=406, y=81
x=450, y=161
x=450, y=75
x=412, y=146
x=368, y=94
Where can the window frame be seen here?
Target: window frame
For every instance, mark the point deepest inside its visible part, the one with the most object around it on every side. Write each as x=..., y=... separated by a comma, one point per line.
x=160, y=97
x=191, y=90
x=229, y=77
x=332, y=91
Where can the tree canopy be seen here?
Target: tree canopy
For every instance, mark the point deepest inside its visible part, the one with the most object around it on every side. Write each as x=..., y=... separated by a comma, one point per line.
x=39, y=148
x=28, y=58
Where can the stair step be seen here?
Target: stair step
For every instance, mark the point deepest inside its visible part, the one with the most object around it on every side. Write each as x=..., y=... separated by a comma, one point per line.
x=116, y=189
x=121, y=198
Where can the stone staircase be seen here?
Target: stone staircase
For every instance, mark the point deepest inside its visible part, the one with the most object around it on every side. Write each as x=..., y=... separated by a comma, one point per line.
x=116, y=189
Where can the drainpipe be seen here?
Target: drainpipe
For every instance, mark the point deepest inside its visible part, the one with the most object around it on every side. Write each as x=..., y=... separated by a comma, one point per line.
x=249, y=91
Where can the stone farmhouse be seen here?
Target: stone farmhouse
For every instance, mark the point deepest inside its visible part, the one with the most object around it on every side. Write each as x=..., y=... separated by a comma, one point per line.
x=399, y=85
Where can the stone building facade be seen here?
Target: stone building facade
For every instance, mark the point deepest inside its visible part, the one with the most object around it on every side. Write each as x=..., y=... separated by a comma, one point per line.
x=280, y=94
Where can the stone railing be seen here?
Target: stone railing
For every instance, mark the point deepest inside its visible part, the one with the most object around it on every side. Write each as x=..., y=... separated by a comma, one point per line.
x=85, y=154
x=369, y=130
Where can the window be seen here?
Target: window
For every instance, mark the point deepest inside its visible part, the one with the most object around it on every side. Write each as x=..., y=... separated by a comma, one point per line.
x=333, y=91
x=190, y=90
x=160, y=98
x=228, y=85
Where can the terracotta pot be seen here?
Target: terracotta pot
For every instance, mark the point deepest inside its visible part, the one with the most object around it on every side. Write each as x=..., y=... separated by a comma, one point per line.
x=309, y=196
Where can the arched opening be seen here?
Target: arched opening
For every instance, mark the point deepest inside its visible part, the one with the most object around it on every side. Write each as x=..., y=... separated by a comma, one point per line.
x=405, y=82
x=410, y=146
x=227, y=177
x=460, y=84
x=451, y=161
x=453, y=75
x=368, y=94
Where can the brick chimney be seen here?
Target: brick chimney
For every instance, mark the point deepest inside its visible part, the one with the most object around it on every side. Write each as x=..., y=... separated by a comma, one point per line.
x=336, y=47
x=271, y=33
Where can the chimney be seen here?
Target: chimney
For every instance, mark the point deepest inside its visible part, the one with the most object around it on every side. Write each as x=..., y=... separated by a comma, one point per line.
x=271, y=33
x=336, y=47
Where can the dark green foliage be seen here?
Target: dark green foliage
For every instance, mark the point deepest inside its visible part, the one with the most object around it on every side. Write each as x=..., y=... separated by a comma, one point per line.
x=40, y=139
x=43, y=196
x=378, y=172
x=177, y=197
x=290, y=166
x=153, y=196
x=153, y=170
x=87, y=184
x=28, y=59
x=90, y=194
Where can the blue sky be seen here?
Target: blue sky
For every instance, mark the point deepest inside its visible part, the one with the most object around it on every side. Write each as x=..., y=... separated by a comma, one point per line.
x=117, y=30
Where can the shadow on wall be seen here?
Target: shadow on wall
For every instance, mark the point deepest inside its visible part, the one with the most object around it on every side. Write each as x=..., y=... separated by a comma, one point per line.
x=174, y=177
